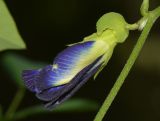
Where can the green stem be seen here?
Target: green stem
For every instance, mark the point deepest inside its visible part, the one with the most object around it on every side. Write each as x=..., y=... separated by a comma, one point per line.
x=144, y=7
x=15, y=103
x=152, y=16
x=134, y=26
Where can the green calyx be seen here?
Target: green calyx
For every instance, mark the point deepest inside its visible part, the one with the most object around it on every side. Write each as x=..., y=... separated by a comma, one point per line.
x=115, y=22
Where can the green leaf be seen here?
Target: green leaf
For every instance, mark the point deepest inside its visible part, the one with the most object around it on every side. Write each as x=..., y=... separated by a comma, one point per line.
x=73, y=105
x=78, y=105
x=9, y=36
x=14, y=64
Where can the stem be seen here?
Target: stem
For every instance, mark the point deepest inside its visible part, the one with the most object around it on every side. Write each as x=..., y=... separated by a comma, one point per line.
x=15, y=103
x=132, y=26
x=144, y=7
x=152, y=16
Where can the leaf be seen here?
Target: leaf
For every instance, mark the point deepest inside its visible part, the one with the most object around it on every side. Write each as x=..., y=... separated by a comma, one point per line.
x=9, y=36
x=14, y=64
x=78, y=105
x=73, y=105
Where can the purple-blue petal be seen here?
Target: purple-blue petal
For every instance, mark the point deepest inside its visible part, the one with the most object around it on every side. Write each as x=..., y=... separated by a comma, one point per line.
x=42, y=81
x=69, y=89
x=30, y=78
x=51, y=93
x=48, y=76
x=67, y=58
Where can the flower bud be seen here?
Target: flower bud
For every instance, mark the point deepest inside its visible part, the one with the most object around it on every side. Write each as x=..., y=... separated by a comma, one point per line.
x=113, y=21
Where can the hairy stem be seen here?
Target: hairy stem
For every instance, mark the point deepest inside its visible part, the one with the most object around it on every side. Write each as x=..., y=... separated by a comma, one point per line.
x=152, y=16
x=15, y=103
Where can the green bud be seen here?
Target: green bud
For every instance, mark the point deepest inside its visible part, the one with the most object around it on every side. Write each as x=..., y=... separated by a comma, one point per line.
x=116, y=23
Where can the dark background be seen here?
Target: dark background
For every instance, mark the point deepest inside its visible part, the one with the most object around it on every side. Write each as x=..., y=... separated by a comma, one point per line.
x=48, y=25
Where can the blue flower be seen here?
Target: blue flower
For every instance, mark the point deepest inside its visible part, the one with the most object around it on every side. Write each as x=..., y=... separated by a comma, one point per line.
x=77, y=63
x=70, y=70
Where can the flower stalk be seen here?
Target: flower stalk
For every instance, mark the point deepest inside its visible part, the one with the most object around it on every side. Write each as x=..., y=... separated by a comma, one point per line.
x=144, y=7
x=15, y=103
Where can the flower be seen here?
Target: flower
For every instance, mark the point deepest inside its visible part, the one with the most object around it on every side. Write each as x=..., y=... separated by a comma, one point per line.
x=77, y=63
x=70, y=70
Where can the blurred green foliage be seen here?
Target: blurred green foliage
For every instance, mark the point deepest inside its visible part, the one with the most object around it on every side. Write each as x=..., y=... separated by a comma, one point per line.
x=72, y=105
x=0, y=110
x=14, y=64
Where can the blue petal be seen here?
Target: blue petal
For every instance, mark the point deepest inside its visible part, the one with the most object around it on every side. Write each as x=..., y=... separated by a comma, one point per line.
x=51, y=93
x=43, y=81
x=30, y=78
x=48, y=76
x=69, y=89
x=38, y=80
x=67, y=58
